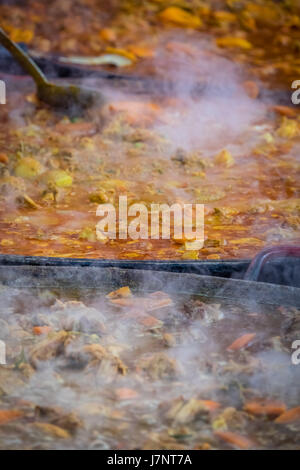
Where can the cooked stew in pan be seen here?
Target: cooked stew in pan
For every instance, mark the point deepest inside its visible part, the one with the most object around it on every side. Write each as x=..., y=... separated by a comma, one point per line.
x=215, y=125
x=128, y=370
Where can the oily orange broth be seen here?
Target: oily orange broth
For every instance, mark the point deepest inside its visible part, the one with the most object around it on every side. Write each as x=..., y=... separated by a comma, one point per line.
x=47, y=232
x=254, y=202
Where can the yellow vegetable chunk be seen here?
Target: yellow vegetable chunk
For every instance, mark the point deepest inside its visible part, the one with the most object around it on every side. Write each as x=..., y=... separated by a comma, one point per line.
x=225, y=17
x=288, y=129
x=28, y=168
x=88, y=234
x=229, y=41
x=119, y=293
x=100, y=197
x=52, y=430
x=59, y=178
x=180, y=17
x=190, y=254
x=224, y=158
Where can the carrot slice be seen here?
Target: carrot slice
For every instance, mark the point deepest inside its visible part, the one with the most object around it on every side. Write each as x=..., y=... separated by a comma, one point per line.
x=241, y=342
x=251, y=89
x=289, y=416
x=235, y=439
x=137, y=112
x=124, y=302
x=159, y=303
x=9, y=415
x=147, y=304
x=4, y=158
x=210, y=404
x=269, y=408
x=150, y=322
x=41, y=330
x=285, y=111
x=125, y=393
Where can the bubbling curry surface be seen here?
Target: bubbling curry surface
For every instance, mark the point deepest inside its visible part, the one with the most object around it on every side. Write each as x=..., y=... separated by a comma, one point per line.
x=220, y=135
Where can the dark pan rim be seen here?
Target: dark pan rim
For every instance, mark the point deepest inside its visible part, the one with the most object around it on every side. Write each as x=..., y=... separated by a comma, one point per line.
x=110, y=278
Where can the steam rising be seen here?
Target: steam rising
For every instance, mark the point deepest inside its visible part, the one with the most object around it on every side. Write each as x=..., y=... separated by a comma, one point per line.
x=209, y=107
x=198, y=365
x=213, y=107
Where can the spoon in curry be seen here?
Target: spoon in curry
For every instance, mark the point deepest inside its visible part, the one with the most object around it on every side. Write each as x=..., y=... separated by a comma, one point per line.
x=71, y=99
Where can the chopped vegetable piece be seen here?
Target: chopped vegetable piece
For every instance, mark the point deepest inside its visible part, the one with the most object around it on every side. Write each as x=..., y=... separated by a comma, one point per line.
x=125, y=393
x=152, y=302
x=229, y=41
x=191, y=254
x=235, y=440
x=106, y=59
x=137, y=112
x=150, y=322
x=41, y=330
x=225, y=16
x=180, y=17
x=224, y=158
x=30, y=202
x=88, y=234
x=6, y=242
x=108, y=34
x=241, y=342
x=7, y=416
x=269, y=408
x=100, y=197
x=285, y=111
x=48, y=348
x=4, y=158
x=289, y=416
x=28, y=168
x=184, y=412
x=288, y=129
x=52, y=430
x=59, y=178
x=169, y=340
x=210, y=405
x=20, y=34
x=123, y=292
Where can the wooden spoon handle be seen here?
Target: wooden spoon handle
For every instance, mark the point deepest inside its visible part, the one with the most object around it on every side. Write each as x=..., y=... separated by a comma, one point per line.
x=24, y=60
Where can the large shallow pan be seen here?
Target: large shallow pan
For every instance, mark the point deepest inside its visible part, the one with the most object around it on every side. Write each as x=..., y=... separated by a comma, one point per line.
x=25, y=283
x=276, y=265
x=273, y=271
x=108, y=278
